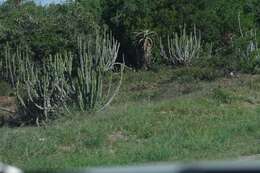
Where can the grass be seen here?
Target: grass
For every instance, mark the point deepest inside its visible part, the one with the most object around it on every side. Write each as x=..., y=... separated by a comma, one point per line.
x=156, y=117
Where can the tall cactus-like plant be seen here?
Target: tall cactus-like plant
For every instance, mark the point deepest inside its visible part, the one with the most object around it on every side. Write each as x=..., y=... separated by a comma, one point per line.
x=10, y=65
x=47, y=88
x=93, y=71
x=15, y=65
x=42, y=89
x=108, y=48
x=182, y=48
x=89, y=78
x=248, y=48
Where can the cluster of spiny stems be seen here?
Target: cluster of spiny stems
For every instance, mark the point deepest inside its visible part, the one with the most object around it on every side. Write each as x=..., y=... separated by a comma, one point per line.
x=47, y=88
x=182, y=48
x=249, y=50
x=42, y=89
x=15, y=64
x=96, y=66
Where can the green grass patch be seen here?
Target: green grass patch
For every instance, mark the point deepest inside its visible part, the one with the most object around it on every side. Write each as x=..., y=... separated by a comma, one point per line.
x=220, y=120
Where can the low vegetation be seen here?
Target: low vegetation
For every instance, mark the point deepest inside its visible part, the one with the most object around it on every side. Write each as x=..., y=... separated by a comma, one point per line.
x=105, y=82
x=153, y=119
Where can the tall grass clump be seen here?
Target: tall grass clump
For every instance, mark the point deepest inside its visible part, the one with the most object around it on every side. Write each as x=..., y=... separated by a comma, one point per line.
x=182, y=47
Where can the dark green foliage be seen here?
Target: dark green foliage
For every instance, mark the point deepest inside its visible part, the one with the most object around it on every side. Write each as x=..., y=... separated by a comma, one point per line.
x=126, y=17
x=216, y=19
x=46, y=30
x=52, y=29
x=247, y=52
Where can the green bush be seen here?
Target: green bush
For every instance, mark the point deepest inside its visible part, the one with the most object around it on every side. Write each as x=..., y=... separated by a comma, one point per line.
x=52, y=29
x=46, y=30
x=216, y=19
x=247, y=50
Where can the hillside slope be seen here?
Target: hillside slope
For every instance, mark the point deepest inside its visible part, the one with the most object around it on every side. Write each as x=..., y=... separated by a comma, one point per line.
x=158, y=116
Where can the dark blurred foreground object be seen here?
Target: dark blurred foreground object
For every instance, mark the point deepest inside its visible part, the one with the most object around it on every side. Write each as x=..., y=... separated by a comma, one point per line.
x=202, y=167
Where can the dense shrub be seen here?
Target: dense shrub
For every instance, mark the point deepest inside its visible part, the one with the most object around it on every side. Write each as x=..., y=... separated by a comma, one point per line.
x=247, y=50
x=216, y=19
x=46, y=30
x=53, y=28
x=242, y=55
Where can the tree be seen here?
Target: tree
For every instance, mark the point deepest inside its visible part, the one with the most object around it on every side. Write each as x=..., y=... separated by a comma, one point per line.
x=145, y=42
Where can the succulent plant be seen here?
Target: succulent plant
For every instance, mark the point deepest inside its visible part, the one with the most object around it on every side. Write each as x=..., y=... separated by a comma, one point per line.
x=145, y=40
x=182, y=48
